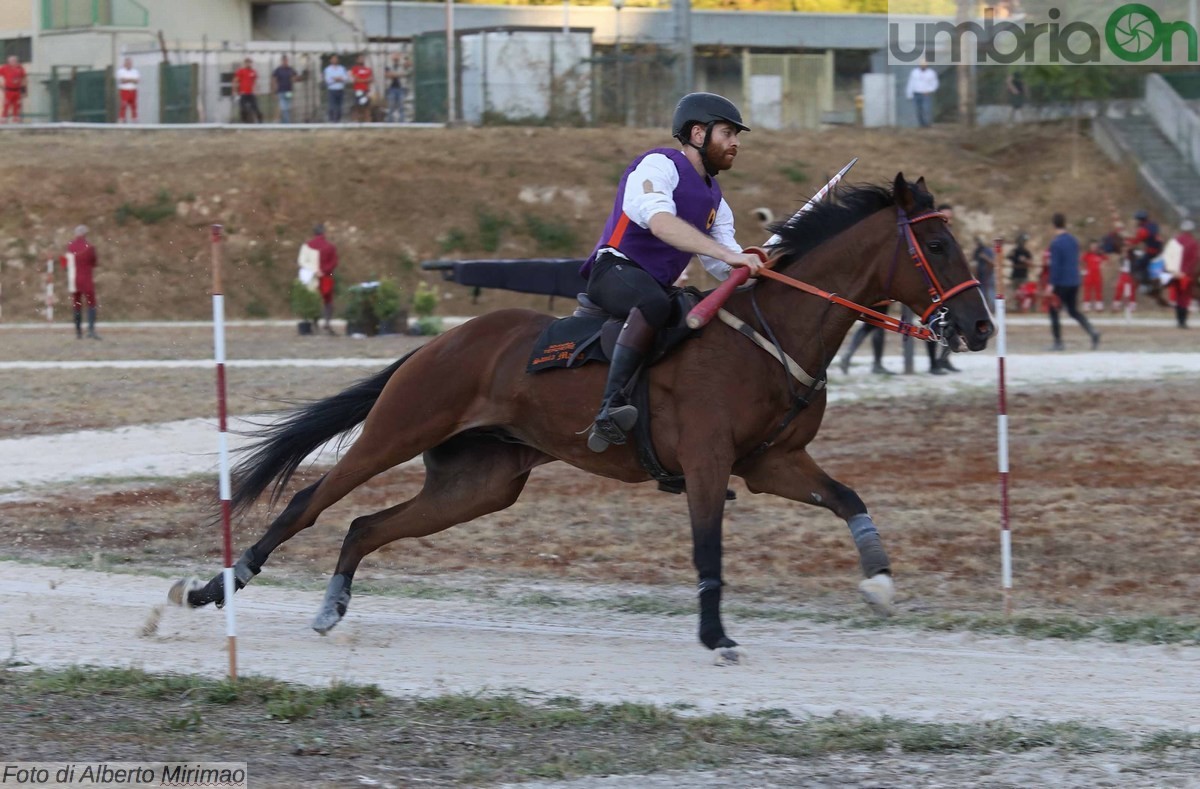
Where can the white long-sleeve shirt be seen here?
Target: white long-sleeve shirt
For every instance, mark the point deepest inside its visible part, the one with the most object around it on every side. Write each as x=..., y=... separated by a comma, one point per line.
x=921, y=80
x=128, y=78
x=641, y=203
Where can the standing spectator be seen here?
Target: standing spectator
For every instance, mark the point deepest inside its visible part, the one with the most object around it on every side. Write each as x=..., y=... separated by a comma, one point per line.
x=1021, y=258
x=80, y=261
x=1182, y=279
x=922, y=85
x=245, y=80
x=877, y=337
x=1093, y=277
x=127, y=89
x=284, y=79
x=1125, y=292
x=362, y=76
x=335, y=84
x=1064, y=282
x=939, y=355
x=395, y=74
x=328, y=261
x=1016, y=95
x=14, y=77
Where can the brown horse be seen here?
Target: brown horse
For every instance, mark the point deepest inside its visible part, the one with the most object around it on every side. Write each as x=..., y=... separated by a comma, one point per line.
x=722, y=406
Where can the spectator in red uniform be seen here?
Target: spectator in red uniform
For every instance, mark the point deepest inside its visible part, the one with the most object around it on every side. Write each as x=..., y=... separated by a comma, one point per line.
x=244, y=80
x=14, y=77
x=1182, y=282
x=127, y=89
x=80, y=261
x=361, y=75
x=1093, y=278
x=328, y=256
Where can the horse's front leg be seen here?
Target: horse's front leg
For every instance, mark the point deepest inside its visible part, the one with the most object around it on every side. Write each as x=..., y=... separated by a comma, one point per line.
x=796, y=476
x=706, y=486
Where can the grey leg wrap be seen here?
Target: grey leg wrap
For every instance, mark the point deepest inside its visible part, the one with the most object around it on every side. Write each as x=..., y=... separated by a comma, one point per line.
x=871, y=555
x=246, y=568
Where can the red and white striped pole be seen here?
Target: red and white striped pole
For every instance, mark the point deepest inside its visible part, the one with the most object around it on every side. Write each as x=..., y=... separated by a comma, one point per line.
x=218, y=304
x=1002, y=432
x=50, y=291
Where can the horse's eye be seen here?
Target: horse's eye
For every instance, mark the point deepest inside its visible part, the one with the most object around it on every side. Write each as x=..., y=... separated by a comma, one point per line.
x=936, y=247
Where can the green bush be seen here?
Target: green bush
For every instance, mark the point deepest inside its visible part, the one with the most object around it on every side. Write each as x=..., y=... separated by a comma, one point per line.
x=551, y=235
x=429, y=326
x=491, y=229
x=425, y=301
x=306, y=304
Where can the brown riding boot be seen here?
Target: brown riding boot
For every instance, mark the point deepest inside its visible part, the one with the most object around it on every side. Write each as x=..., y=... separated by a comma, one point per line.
x=617, y=416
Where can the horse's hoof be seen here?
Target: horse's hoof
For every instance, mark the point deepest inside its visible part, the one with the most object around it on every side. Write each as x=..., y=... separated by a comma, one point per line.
x=729, y=656
x=178, y=593
x=326, y=619
x=333, y=607
x=879, y=593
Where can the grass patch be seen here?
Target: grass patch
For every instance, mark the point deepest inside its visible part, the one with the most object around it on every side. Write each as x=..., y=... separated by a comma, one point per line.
x=453, y=239
x=491, y=229
x=795, y=172
x=476, y=738
x=551, y=235
x=160, y=208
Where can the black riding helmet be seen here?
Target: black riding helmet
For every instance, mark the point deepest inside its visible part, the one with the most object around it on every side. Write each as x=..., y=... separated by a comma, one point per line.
x=708, y=109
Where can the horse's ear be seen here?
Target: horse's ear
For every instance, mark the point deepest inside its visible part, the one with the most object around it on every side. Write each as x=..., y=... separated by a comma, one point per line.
x=901, y=192
x=920, y=185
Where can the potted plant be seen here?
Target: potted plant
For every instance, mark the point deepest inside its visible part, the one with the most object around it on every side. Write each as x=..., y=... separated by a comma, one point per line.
x=373, y=308
x=306, y=305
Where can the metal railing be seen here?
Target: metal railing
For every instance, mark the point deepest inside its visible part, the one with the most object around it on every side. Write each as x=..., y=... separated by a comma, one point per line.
x=1175, y=118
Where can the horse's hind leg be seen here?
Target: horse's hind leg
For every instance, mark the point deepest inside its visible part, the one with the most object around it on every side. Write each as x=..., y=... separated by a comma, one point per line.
x=362, y=461
x=796, y=476
x=466, y=477
x=286, y=525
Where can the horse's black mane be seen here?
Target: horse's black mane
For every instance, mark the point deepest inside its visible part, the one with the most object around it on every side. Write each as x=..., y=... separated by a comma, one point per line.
x=841, y=209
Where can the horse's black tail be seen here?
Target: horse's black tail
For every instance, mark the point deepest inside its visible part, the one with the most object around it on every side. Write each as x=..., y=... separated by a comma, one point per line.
x=282, y=447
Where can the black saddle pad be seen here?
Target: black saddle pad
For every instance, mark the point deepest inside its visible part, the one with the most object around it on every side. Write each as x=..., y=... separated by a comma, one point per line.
x=589, y=335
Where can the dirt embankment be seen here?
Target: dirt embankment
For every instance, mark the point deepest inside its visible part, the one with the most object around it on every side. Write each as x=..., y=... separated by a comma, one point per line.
x=393, y=198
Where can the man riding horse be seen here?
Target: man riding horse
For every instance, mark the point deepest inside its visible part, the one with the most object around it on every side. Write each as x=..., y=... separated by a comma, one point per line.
x=668, y=208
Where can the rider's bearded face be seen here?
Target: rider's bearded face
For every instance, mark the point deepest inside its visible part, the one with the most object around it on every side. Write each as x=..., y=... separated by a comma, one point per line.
x=722, y=146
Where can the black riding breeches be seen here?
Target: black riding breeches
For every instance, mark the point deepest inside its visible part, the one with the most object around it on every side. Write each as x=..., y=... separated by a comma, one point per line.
x=618, y=285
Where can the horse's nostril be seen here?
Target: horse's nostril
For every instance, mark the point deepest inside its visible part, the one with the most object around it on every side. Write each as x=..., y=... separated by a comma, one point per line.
x=984, y=328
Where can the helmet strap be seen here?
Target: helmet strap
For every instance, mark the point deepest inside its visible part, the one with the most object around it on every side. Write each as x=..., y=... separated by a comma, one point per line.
x=703, y=149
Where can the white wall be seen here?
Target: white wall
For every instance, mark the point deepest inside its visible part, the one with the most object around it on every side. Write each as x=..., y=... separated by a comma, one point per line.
x=16, y=16
x=510, y=73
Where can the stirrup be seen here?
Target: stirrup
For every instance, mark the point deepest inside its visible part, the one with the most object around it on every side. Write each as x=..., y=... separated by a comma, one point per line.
x=611, y=427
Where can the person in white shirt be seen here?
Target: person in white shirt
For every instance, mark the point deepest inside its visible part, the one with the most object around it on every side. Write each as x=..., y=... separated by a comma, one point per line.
x=922, y=84
x=335, y=84
x=127, y=88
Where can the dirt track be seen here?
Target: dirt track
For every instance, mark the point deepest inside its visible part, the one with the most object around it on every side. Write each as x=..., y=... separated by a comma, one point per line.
x=1085, y=549
x=428, y=647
